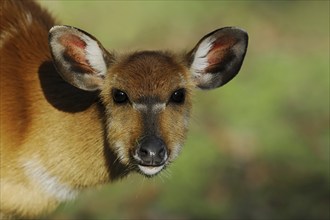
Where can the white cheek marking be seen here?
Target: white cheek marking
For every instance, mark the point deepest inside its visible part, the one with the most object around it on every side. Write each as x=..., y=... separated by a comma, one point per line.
x=48, y=183
x=121, y=153
x=186, y=118
x=175, y=151
x=200, y=61
x=186, y=122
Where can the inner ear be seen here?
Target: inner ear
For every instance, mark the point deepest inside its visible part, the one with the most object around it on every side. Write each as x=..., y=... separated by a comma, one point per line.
x=75, y=53
x=78, y=57
x=218, y=56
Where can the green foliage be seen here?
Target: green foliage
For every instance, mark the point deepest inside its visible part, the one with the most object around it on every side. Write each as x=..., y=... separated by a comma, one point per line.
x=259, y=147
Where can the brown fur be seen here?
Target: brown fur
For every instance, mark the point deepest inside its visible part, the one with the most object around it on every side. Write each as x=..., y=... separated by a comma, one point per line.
x=67, y=138
x=28, y=119
x=157, y=75
x=57, y=139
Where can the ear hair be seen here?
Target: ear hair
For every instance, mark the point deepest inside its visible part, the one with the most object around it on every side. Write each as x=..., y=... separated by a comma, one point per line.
x=78, y=57
x=218, y=57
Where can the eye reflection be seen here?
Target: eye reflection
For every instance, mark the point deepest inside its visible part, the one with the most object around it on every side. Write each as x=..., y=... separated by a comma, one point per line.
x=178, y=96
x=119, y=96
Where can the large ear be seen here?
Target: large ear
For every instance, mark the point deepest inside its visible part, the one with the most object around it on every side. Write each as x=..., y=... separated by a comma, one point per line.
x=78, y=57
x=218, y=57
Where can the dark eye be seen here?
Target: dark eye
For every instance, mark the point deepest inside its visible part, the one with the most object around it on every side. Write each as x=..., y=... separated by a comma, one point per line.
x=119, y=96
x=178, y=96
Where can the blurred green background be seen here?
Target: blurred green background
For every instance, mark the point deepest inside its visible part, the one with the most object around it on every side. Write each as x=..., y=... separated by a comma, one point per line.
x=258, y=148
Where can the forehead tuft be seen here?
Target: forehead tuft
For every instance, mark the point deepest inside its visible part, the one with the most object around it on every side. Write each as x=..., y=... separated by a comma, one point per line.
x=148, y=73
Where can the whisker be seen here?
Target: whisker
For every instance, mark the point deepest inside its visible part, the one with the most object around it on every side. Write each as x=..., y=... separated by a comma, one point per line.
x=167, y=174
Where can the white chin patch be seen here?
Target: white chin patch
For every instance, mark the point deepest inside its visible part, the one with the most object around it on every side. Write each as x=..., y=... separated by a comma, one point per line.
x=150, y=171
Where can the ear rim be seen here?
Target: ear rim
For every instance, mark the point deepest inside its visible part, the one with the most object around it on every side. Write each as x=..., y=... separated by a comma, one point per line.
x=98, y=58
x=220, y=79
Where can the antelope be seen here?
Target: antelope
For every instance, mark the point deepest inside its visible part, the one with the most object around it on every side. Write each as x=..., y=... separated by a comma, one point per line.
x=74, y=115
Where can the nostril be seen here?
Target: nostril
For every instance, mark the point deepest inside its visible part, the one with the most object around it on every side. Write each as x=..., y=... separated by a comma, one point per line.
x=143, y=152
x=145, y=155
x=162, y=153
x=152, y=151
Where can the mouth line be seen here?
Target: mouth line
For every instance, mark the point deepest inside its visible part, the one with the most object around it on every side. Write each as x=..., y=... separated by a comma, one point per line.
x=150, y=170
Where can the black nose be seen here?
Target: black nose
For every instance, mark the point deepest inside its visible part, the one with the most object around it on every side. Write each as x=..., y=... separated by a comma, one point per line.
x=152, y=151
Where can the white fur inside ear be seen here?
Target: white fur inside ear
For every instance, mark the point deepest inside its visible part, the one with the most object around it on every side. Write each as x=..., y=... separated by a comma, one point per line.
x=93, y=52
x=94, y=55
x=200, y=60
